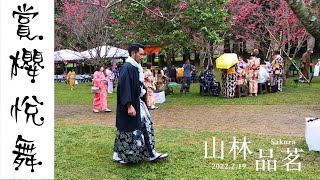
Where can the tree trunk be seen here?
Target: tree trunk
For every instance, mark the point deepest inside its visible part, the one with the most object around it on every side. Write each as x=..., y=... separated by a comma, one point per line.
x=311, y=42
x=227, y=46
x=186, y=55
x=162, y=61
x=306, y=17
x=196, y=56
x=173, y=57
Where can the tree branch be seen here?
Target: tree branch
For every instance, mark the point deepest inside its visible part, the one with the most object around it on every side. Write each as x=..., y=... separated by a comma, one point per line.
x=306, y=17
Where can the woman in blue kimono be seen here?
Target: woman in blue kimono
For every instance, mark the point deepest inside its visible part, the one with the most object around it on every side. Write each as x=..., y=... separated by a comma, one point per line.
x=135, y=137
x=210, y=81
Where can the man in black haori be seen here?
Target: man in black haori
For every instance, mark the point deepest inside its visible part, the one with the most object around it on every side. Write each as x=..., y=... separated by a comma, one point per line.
x=135, y=134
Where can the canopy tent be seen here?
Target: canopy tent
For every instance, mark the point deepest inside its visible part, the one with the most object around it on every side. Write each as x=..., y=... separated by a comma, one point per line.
x=151, y=49
x=67, y=55
x=105, y=52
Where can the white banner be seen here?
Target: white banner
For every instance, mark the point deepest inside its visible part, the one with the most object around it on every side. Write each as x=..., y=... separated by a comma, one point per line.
x=27, y=89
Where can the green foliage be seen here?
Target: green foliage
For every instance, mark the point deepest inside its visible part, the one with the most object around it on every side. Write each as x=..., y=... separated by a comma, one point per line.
x=169, y=24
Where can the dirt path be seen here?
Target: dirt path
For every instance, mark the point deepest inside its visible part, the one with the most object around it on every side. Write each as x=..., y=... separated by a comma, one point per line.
x=269, y=119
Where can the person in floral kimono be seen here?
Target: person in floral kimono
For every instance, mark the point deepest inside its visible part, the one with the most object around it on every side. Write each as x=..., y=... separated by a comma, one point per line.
x=241, y=77
x=211, y=82
x=149, y=82
x=242, y=64
x=100, y=97
x=254, y=65
x=242, y=72
x=277, y=70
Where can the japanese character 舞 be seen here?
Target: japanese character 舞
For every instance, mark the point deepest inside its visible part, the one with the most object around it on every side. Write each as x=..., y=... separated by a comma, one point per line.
x=24, y=16
x=30, y=109
x=24, y=152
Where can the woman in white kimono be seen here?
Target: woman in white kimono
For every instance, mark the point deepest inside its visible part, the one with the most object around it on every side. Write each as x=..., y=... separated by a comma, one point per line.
x=110, y=79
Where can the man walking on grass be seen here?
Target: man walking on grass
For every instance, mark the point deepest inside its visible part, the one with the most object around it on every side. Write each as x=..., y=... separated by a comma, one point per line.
x=134, y=139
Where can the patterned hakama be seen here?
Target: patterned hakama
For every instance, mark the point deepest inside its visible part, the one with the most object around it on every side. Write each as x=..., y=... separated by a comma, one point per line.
x=139, y=144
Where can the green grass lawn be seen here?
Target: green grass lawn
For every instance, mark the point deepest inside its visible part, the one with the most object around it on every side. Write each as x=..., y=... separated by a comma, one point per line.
x=85, y=152
x=292, y=94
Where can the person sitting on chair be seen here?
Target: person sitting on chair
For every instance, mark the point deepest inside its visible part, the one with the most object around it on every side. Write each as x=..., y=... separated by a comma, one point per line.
x=263, y=75
x=210, y=81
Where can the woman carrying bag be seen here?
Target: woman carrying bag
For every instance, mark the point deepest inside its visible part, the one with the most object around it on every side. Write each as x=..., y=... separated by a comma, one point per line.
x=100, y=95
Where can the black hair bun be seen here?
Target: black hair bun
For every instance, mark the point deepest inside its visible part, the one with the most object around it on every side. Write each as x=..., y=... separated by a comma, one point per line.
x=139, y=45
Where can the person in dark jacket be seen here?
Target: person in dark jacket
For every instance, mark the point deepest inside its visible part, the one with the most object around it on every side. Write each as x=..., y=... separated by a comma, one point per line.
x=135, y=138
x=259, y=55
x=173, y=74
x=186, y=76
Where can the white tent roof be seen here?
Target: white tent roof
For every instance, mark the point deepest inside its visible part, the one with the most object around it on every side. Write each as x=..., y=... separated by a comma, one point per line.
x=105, y=52
x=67, y=55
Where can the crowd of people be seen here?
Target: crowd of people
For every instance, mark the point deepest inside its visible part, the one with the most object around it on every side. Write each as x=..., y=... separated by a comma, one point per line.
x=249, y=73
x=134, y=139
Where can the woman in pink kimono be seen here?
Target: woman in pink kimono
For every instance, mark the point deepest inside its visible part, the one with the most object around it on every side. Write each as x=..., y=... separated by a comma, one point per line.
x=149, y=81
x=254, y=65
x=100, y=98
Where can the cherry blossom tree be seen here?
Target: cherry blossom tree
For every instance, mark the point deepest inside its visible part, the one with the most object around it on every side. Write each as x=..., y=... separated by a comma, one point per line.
x=271, y=22
x=84, y=26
